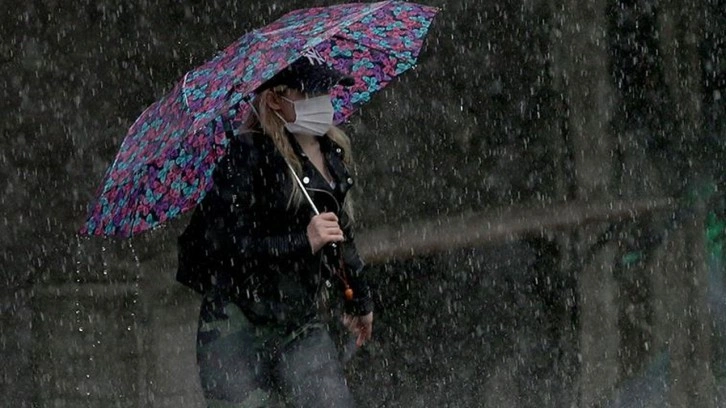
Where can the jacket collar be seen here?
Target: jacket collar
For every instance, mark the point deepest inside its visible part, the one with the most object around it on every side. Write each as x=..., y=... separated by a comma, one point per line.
x=333, y=154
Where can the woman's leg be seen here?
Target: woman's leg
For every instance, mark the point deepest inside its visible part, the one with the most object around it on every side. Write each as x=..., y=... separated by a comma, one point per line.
x=234, y=365
x=310, y=373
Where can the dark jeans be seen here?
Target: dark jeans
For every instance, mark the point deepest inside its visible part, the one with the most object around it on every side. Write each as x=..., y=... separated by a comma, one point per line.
x=242, y=364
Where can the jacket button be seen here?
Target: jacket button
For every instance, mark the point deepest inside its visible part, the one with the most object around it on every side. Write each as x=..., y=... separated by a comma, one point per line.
x=350, y=180
x=306, y=180
x=339, y=150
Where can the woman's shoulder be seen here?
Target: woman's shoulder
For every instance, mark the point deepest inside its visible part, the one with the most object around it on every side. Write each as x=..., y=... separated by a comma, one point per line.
x=252, y=153
x=250, y=138
x=249, y=145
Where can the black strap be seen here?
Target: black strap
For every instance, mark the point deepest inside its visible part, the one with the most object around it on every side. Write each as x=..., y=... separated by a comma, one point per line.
x=227, y=128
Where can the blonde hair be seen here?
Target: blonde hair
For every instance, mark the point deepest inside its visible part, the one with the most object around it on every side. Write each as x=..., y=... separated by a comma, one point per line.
x=273, y=126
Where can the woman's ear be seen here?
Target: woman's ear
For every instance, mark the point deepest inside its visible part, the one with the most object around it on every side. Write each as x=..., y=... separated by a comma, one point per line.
x=271, y=99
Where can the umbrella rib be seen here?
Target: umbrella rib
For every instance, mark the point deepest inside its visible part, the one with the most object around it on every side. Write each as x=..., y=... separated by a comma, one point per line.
x=183, y=88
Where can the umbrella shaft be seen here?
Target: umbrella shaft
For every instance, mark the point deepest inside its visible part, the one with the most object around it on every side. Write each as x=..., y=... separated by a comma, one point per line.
x=304, y=191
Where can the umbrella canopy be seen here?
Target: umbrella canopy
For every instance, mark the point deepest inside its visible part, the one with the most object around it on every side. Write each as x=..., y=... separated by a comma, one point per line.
x=164, y=166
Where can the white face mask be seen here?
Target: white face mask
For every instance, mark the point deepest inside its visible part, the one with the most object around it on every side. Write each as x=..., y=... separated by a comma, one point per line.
x=313, y=116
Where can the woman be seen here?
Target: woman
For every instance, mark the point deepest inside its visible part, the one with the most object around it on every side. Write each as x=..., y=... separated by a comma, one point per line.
x=272, y=271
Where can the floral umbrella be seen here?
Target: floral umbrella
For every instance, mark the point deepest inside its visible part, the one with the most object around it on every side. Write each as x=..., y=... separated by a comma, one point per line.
x=165, y=163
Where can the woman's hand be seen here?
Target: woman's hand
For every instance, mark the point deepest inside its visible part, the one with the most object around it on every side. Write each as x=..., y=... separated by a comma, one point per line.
x=322, y=229
x=361, y=326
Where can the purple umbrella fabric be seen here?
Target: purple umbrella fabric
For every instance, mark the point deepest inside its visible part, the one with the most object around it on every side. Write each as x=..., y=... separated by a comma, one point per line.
x=164, y=166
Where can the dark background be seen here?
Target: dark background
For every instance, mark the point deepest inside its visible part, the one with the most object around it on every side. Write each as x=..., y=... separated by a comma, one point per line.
x=531, y=105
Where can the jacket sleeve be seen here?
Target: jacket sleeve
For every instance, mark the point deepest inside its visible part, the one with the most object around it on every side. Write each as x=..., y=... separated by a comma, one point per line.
x=232, y=216
x=362, y=302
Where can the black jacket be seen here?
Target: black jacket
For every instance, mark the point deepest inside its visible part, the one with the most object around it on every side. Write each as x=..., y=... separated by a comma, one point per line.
x=244, y=240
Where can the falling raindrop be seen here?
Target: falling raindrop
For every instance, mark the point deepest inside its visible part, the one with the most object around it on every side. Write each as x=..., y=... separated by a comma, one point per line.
x=104, y=261
x=80, y=315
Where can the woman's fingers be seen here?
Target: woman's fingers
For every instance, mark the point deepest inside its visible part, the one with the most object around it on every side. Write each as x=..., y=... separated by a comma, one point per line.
x=364, y=334
x=350, y=323
x=366, y=329
x=332, y=235
x=367, y=322
x=323, y=229
x=329, y=226
x=324, y=219
x=328, y=216
x=360, y=326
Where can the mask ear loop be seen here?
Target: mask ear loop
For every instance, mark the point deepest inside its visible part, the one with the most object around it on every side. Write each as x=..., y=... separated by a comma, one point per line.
x=254, y=110
x=259, y=118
